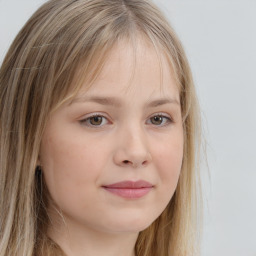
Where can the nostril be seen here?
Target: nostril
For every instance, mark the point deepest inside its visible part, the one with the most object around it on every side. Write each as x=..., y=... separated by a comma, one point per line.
x=125, y=161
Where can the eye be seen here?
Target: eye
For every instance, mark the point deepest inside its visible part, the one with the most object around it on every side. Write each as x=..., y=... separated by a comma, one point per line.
x=94, y=120
x=159, y=120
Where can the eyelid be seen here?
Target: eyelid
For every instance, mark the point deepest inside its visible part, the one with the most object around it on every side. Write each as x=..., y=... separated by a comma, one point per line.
x=87, y=117
x=84, y=120
x=164, y=115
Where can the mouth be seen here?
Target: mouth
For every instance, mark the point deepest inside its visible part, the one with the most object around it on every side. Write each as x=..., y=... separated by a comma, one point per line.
x=130, y=189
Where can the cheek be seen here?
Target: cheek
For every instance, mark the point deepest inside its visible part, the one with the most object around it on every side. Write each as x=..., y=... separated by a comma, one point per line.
x=70, y=166
x=168, y=161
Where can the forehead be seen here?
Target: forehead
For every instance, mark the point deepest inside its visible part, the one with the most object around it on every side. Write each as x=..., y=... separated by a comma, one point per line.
x=134, y=68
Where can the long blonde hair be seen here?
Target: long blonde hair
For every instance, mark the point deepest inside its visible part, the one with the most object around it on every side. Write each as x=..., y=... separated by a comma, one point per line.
x=35, y=78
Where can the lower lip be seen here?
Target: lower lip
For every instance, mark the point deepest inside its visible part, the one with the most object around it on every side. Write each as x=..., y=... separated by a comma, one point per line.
x=131, y=193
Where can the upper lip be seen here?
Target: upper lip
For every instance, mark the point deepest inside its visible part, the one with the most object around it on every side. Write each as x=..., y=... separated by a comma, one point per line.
x=130, y=184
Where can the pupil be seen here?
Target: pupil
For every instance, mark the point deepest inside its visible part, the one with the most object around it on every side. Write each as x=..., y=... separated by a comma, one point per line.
x=157, y=120
x=96, y=120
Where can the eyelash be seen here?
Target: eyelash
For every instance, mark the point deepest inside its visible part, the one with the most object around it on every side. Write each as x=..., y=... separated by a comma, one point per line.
x=86, y=121
x=168, y=119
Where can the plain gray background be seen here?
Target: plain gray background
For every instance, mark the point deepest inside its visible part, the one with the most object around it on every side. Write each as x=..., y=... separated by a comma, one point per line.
x=219, y=37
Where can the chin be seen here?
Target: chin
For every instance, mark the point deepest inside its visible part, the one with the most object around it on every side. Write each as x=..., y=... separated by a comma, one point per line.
x=132, y=225
x=130, y=220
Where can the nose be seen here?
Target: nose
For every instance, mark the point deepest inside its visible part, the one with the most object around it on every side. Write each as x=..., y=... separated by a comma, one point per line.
x=132, y=149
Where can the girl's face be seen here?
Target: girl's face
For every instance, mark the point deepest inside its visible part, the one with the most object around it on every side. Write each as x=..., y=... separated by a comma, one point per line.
x=111, y=159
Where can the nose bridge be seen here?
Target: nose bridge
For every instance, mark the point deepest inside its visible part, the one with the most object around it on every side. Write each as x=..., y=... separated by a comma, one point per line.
x=133, y=148
x=136, y=140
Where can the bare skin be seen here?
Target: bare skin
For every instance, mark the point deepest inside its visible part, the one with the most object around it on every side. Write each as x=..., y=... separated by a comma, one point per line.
x=121, y=129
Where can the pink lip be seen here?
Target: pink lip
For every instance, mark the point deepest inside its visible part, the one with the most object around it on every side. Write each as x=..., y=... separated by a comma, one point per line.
x=129, y=189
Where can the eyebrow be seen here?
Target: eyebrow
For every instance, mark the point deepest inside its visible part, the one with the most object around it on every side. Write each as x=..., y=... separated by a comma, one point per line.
x=160, y=102
x=115, y=102
x=108, y=101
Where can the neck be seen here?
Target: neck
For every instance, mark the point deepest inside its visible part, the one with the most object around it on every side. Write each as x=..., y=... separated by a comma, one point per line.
x=76, y=240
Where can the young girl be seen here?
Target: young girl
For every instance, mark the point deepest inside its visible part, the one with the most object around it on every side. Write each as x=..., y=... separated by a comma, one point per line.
x=99, y=134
